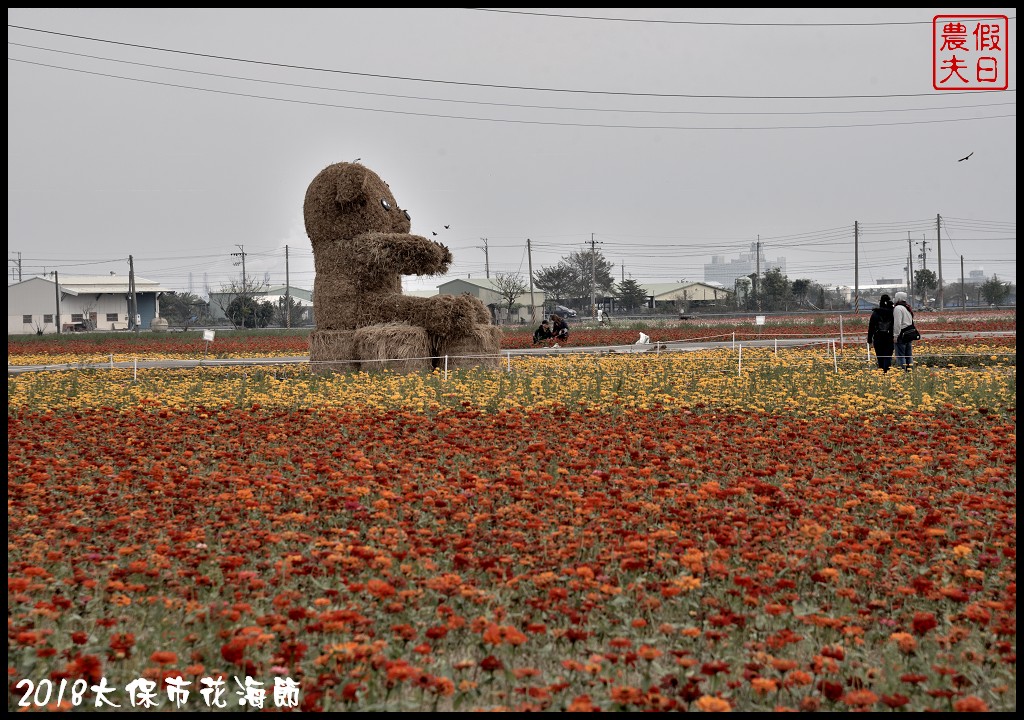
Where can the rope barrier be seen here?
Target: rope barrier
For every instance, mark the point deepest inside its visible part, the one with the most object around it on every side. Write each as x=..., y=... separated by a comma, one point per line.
x=833, y=348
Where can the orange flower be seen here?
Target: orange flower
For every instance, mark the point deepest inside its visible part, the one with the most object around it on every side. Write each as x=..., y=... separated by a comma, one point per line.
x=380, y=588
x=709, y=703
x=783, y=665
x=906, y=642
x=763, y=686
x=582, y=703
x=971, y=703
x=163, y=657
x=626, y=694
x=860, y=698
x=649, y=653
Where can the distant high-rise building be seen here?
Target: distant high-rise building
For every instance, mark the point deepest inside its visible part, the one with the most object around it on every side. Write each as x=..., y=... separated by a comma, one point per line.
x=726, y=273
x=976, y=277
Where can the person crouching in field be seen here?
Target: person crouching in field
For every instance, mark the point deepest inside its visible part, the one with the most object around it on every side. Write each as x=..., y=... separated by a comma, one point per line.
x=542, y=334
x=560, y=329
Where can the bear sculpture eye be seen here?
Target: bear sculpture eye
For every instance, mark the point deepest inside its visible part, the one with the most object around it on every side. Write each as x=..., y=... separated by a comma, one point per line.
x=385, y=203
x=407, y=215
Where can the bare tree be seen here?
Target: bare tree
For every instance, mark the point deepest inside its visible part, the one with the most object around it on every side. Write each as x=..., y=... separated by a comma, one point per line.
x=510, y=286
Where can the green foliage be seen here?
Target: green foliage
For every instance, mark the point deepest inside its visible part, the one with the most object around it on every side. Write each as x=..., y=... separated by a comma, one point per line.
x=249, y=312
x=776, y=290
x=576, y=276
x=631, y=296
x=556, y=281
x=924, y=282
x=289, y=313
x=592, y=273
x=184, y=309
x=995, y=291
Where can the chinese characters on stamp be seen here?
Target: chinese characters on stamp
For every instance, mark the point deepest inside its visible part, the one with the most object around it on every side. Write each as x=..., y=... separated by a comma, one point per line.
x=970, y=52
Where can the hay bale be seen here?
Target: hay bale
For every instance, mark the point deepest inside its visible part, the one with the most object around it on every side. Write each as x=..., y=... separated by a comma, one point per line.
x=362, y=246
x=398, y=347
x=332, y=351
x=448, y=316
x=480, y=348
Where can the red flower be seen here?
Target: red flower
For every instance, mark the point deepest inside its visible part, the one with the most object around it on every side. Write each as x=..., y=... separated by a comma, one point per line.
x=714, y=667
x=163, y=657
x=923, y=622
x=233, y=651
x=491, y=663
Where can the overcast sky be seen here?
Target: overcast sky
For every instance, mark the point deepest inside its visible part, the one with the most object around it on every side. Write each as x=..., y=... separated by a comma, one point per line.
x=663, y=136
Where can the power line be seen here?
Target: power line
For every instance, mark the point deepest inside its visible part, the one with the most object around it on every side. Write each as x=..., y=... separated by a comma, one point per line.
x=479, y=85
x=649, y=21
x=608, y=126
x=521, y=106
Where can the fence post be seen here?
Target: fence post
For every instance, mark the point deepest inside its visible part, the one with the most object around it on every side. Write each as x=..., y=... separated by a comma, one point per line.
x=135, y=371
x=776, y=346
x=739, y=361
x=835, y=358
x=840, y=328
x=508, y=362
x=111, y=361
x=445, y=367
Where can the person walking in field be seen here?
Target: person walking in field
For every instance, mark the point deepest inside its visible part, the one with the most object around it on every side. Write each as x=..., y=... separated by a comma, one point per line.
x=902, y=317
x=880, y=332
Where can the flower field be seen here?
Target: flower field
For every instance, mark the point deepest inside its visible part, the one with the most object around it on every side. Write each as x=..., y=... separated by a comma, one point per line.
x=642, y=532
x=100, y=347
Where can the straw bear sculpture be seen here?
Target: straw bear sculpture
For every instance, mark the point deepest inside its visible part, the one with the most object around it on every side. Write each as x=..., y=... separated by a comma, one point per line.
x=361, y=249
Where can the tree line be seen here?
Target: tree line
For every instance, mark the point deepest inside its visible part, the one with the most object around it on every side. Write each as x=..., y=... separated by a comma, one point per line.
x=584, y=274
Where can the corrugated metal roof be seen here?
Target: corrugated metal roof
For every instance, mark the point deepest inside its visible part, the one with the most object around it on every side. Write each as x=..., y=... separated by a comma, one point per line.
x=108, y=284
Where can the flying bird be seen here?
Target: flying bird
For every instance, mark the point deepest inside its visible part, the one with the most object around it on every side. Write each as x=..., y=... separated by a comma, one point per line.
x=968, y=155
x=447, y=226
x=433, y=233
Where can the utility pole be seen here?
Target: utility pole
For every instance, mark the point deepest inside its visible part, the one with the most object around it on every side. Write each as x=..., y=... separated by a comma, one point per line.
x=487, y=261
x=241, y=253
x=593, y=277
x=910, y=265
x=963, y=289
x=18, y=261
x=134, y=303
x=529, y=261
x=287, y=292
x=938, y=241
x=923, y=257
x=856, y=267
x=757, y=276
x=56, y=287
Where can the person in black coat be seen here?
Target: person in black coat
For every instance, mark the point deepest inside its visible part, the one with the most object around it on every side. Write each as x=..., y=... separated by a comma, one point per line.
x=560, y=328
x=880, y=334
x=543, y=333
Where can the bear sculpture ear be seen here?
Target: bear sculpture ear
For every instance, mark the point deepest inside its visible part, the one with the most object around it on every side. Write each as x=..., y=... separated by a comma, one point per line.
x=350, y=184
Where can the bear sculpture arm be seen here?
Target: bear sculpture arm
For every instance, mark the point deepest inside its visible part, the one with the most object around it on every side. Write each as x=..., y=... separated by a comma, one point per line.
x=452, y=316
x=374, y=253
